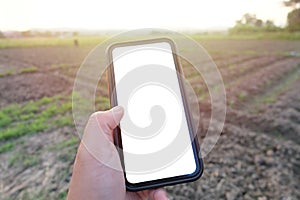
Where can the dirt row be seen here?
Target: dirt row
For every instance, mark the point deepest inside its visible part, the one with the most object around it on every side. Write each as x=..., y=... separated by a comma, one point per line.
x=44, y=57
x=257, y=156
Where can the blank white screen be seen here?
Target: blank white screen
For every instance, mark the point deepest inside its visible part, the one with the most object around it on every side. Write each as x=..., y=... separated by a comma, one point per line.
x=126, y=59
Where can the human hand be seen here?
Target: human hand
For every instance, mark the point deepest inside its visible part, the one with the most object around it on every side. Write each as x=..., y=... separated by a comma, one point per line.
x=93, y=175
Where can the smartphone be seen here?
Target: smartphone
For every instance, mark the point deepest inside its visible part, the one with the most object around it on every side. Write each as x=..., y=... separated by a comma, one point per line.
x=156, y=136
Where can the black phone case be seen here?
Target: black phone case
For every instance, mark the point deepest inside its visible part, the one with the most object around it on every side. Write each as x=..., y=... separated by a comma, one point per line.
x=117, y=131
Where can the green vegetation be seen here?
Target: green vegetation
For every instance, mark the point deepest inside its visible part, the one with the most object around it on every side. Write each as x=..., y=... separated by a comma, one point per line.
x=63, y=195
x=294, y=20
x=269, y=99
x=231, y=103
x=32, y=117
x=36, y=116
x=23, y=128
x=102, y=103
x=23, y=70
x=74, y=140
x=66, y=156
x=59, y=66
x=250, y=24
x=7, y=146
x=92, y=40
x=250, y=27
x=293, y=17
x=63, y=121
x=242, y=96
x=24, y=159
x=280, y=35
x=49, y=41
x=283, y=86
x=7, y=73
x=29, y=69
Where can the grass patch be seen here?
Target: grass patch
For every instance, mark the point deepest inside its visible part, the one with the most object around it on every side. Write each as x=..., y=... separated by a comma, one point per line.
x=34, y=195
x=7, y=147
x=24, y=159
x=4, y=119
x=24, y=70
x=16, y=112
x=65, y=157
x=269, y=99
x=64, y=121
x=280, y=35
x=31, y=107
x=283, y=86
x=21, y=129
x=242, y=96
x=63, y=195
x=18, y=120
x=32, y=117
x=8, y=73
x=67, y=143
x=102, y=103
x=48, y=100
x=60, y=66
x=30, y=161
x=29, y=69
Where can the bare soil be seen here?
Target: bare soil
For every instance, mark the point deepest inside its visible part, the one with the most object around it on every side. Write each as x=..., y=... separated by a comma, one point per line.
x=256, y=157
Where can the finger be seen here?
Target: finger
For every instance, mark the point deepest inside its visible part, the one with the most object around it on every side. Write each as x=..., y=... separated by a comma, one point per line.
x=159, y=194
x=109, y=120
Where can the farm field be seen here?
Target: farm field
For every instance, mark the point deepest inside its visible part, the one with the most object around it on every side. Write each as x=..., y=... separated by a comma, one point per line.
x=256, y=157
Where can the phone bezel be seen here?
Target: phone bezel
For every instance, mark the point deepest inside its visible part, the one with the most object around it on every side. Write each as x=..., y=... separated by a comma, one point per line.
x=117, y=132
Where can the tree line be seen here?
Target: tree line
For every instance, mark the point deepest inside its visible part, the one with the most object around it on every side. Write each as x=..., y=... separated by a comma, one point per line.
x=249, y=23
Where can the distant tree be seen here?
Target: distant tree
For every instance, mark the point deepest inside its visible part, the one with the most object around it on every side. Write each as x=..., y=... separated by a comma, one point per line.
x=1, y=35
x=249, y=23
x=75, y=34
x=269, y=23
x=293, y=20
x=249, y=19
x=270, y=26
x=259, y=23
x=26, y=33
x=238, y=22
x=292, y=3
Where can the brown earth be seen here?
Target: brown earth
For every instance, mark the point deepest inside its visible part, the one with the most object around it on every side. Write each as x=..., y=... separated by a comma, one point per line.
x=256, y=157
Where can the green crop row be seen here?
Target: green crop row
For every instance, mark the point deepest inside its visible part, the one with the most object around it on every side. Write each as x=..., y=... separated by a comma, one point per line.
x=17, y=120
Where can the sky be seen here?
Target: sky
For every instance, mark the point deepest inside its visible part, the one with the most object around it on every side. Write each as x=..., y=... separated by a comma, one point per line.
x=133, y=14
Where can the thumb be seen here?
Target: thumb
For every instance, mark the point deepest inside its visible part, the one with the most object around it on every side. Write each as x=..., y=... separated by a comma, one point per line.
x=98, y=138
x=97, y=159
x=111, y=118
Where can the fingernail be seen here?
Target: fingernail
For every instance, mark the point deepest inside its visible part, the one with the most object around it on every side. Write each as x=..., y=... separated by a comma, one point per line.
x=118, y=109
